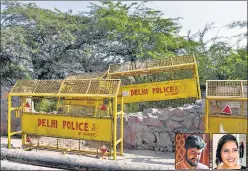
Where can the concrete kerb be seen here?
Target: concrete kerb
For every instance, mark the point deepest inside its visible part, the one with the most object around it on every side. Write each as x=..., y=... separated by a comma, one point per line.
x=72, y=162
x=8, y=165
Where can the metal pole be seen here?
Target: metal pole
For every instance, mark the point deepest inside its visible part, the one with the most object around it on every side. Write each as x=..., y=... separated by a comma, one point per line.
x=196, y=75
x=22, y=109
x=121, y=153
x=242, y=95
x=115, y=119
x=9, y=121
x=206, y=115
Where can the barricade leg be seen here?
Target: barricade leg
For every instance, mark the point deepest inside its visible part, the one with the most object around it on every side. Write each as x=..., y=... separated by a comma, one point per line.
x=9, y=121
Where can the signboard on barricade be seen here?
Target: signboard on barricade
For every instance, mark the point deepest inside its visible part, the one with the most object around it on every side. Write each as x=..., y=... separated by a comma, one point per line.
x=83, y=102
x=159, y=91
x=67, y=126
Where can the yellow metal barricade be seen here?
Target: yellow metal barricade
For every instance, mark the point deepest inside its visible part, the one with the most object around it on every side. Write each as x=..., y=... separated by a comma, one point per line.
x=180, y=79
x=226, y=106
x=86, y=109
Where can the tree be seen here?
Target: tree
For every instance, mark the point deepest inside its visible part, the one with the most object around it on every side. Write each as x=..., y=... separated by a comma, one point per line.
x=38, y=43
x=137, y=32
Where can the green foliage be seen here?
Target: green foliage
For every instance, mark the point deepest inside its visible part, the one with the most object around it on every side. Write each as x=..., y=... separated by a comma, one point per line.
x=137, y=32
x=45, y=105
x=140, y=106
x=38, y=43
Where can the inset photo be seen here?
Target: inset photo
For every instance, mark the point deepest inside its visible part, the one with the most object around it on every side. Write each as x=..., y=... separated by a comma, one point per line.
x=192, y=151
x=229, y=151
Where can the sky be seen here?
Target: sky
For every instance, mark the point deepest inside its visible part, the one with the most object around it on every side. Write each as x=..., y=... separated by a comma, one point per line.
x=195, y=14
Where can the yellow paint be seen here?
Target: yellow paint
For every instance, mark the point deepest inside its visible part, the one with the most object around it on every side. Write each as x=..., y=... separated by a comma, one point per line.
x=224, y=123
x=9, y=121
x=67, y=127
x=227, y=124
x=122, y=127
x=196, y=76
x=160, y=91
x=115, y=123
x=84, y=102
x=99, y=128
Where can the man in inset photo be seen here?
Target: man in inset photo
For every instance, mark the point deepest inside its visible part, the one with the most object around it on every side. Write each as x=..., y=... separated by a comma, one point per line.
x=193, y=148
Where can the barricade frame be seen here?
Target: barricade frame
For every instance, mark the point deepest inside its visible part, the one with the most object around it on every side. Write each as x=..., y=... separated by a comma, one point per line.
x=104, y=88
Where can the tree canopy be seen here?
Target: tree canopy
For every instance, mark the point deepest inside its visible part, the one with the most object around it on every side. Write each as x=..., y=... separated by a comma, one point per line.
x=38, y=43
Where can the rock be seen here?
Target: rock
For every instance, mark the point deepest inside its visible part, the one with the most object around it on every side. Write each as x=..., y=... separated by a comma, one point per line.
x=130, y=136
x=177, y=112
x=186, y=105
x=202, y=126
x=189, y=109
x=178, y=119
x=148, y=138
x=195, y=122
x=150, y=110
x=140, y=147
x=156, y=148
x=132, y=131
x=199, y=102
x=148, y=147
x=156, y=129
x=160, y=129
x=172, y=136
x=198, y=109
x=4, y=128
x=188, y=121
x=125, y=119
x=140, y=113
x=135, y=119
x=173, y=124
x=164, y=115
x=162, y=149
x=153, y=121
x=164, y=140
x=159, y=112
x=168, y=148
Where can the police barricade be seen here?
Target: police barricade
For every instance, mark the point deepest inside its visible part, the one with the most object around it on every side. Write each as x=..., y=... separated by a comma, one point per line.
x=171, y=78
x=81, y=109
x=226, y=106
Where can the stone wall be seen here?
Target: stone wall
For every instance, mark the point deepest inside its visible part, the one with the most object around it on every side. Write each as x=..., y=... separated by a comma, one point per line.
x=155, y=129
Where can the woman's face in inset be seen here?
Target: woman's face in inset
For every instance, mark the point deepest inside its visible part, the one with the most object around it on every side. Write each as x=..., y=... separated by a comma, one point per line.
x=229, y=153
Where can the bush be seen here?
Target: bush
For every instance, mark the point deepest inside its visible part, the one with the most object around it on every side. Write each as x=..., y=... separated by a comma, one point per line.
x=46, y=105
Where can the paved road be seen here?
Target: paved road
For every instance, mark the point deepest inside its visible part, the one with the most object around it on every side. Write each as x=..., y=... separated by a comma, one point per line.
x=165, y=161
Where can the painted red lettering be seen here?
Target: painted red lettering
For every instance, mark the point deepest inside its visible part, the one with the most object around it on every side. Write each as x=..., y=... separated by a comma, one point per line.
x=136, y=92
x=72, y=126
x=86, y=126
x=153, y=90
x=53, y=123
x=43, y=122
x=167, y=89
x=80, y=128
x=64, y=124
x=39, y=122
x=157, y=90
x=68, y=125
x=144, y=91
x=132, y=92
x=76, y=125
